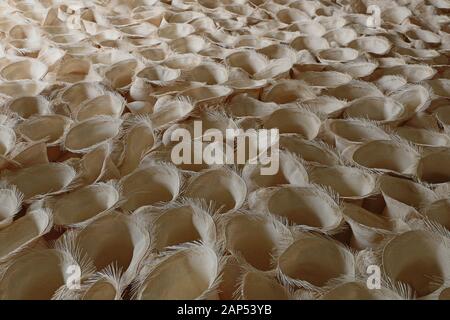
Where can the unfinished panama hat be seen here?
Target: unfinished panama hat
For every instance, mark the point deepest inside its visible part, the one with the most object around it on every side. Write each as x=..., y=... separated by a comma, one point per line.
x=85, y=135
x=26, y=107
x=380, y=109
x=429, y=258
x=209, y=119
x=194, y=222
x=41, y=179
x=109, y=104
x=423, y=137
x=403, y=159
x=120, y=75
x=311, y=151
x=124, y=245
x=24, y=232
x=349, y=132
x=310, y=208
x=404, y=197
x=168, y=110
x=286, y=91
x=346, y=289
x=104, y=285
x=432, y=168
x=139, y=139
x=75, y=94
x=49, y=128
x=45, y=269
x=355, y=89
x=11, y=203
x=150, y=184
x=290, y=171
x=99, y=199
x=348, y=182
x=24, y=70
x=294, y=120
x=327, y=79
x=303, y=265
x=230, y=191
x=256, y=285
x=368, y=229
x=7, y=140
x=244, y=105
x=253, y=239
x=192, y=272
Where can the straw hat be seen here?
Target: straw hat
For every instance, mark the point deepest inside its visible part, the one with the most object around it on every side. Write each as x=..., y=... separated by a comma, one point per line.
x=48, y=128
x=357, y=290
x=75, y=70
x=22, y=88
x=86, y=135
x=41, y=180
x=158, y=75
x=403, y=158
x=7, y=140
x=294, y=120
x=11, y=203
x=98, y=199
x=349, y=132
x=109, y=104
x=348, y=182
x=124, y=245
x=302, y=207
x=414, y=98
x=428, y=258
x=432, y=168
x=303, y=263
x=355, y=89
x=207, y=95
x=312, y=43
x=334, y=55
x=139, y=139
x=423, y=137
x=369, y=229
x=209, y=119
x=149, y=185
x=256, y=285
x=44, y=269
x=229, y=193
x=356, y=69
x=103, y=285
x=15, y=237
x=96, y=165
x=371, y=44
x=327, y=79
x=380, y=109
x=119, y=76
x=390, y=83
x=312, y=151
x=193, y=223
x=26, y=107
x=243, y=105
x=404, y=197
x=75, y=94
x=253, y=238
x=290, y=171
x=185, y=272
x=24, y=70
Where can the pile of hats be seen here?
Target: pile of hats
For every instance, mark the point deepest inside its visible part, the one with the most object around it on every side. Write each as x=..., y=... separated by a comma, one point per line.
x=93, y=207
